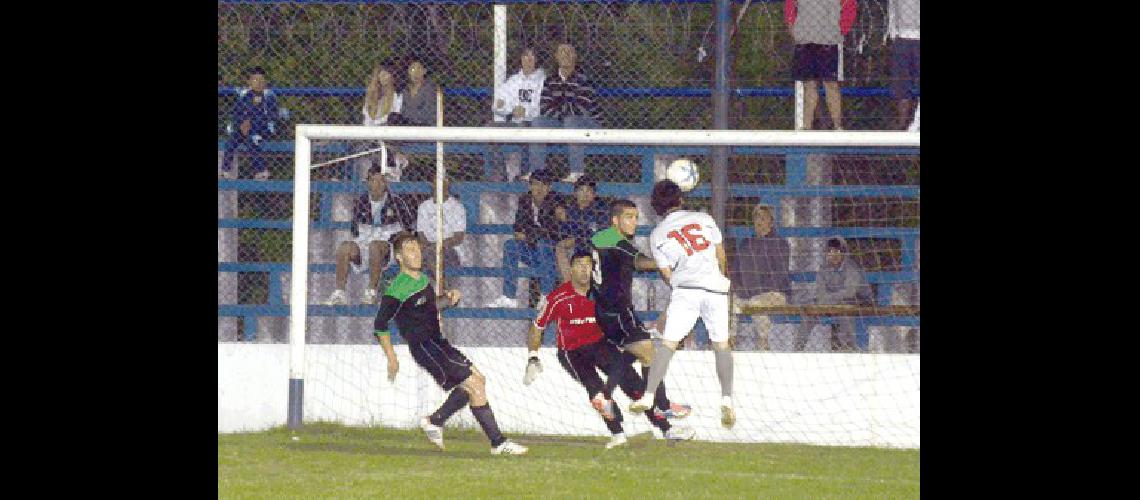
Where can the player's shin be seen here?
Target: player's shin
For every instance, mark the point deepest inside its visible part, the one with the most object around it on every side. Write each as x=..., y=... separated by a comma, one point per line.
x=454, y=402
x=724, y=370
x=486, y=419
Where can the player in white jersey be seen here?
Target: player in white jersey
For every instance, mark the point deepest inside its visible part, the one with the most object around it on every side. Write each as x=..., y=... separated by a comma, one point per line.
x=687, y=247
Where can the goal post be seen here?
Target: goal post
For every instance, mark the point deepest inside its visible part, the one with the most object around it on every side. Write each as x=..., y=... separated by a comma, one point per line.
x=796, y=144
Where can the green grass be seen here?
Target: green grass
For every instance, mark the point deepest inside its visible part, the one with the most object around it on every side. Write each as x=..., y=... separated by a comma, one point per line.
x=330, y=461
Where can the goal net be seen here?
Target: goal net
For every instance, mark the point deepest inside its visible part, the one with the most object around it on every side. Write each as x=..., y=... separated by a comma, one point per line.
x=821, y=233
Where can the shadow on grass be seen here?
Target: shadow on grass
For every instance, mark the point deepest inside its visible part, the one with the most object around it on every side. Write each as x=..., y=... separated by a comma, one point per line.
x=379, y=449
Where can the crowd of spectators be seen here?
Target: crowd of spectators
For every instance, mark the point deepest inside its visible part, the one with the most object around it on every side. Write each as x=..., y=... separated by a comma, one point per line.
x=548, y=227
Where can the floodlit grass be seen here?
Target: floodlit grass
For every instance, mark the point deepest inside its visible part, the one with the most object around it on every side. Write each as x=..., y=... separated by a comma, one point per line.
x=333, y=461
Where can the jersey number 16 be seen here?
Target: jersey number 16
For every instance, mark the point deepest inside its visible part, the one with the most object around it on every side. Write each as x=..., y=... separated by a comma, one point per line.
x=690, y=239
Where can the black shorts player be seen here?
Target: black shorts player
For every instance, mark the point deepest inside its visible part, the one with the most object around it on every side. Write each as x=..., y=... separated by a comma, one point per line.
x=616, y=261
x=411, y=301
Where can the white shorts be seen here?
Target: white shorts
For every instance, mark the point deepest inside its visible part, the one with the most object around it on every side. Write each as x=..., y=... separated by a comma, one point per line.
x=363, y=242
x=686, y=305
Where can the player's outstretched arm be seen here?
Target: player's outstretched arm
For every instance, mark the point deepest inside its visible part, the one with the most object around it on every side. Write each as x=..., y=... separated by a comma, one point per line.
x=393, y=364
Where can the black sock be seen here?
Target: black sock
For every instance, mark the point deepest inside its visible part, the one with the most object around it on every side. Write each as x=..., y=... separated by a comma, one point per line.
x=615, y=425
x=456, y=400
x=660, y=400
x=486, y=420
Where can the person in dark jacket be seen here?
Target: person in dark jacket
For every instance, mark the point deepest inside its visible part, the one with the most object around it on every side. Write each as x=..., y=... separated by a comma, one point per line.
x=760, y=271
x=252, y=121
x=537, y=229
x=377, y=215
x=586, y=214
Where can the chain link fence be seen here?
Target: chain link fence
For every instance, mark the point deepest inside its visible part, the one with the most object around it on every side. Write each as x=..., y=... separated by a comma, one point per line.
x=651, y=64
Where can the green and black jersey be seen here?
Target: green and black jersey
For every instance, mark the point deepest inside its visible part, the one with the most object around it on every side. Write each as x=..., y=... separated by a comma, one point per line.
x=614, y=261
x=412, y=303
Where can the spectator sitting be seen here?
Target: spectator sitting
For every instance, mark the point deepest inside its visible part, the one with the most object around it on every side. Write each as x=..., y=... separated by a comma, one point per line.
x=839, y=281
x=377, y=215
x=584, y=216
x=419, y=97
x=568, y=101
x=516, y=105
x=381, y=98
x=760, y=271
x=454, y=229
x=382, y=106
x=536, y=233
x=253, y=113
x=818, y=28
x=902, y=27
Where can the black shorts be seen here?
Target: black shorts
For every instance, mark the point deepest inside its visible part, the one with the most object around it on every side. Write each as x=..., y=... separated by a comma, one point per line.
x=904, y=67
x=584, y=362
x=444, y=362
x=621, y=328
x=813, y=61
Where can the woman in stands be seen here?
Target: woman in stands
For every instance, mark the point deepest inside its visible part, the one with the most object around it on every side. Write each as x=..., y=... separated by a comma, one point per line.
x=383, y=106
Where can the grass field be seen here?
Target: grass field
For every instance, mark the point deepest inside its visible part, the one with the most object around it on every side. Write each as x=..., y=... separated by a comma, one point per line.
x=334, y=461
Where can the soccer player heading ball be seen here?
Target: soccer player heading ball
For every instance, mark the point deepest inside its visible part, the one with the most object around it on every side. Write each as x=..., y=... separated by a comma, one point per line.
x=581, y=350
x=411, y=300
x=687, y=248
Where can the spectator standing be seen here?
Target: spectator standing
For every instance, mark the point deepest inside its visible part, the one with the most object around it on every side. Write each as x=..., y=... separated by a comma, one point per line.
x=252, y=121
x=818, y=28
x=568, y=101
x=383, y=106
x=902, y=28
x=760, y=274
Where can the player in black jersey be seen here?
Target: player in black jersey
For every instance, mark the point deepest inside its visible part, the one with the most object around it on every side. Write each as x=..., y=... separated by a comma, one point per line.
x=615, y=260
x=411, y=301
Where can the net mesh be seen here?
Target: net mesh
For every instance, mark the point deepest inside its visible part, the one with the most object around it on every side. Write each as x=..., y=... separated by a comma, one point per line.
x=651, y=64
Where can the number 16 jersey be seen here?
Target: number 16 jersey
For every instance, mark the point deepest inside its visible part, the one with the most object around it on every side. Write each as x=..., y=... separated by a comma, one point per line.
x=685, y=242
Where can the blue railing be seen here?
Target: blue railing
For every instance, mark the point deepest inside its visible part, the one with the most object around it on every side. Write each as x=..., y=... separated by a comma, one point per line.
x=469, y=194
x=484, y=92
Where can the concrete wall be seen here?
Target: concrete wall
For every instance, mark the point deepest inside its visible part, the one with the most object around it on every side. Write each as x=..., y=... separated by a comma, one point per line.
x=818, y=398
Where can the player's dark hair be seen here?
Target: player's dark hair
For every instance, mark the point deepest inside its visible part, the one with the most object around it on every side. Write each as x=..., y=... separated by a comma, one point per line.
x=256, y=70
x=666, y=195
x=586, y=180
x=582, y=251
x=619, y=205
x=835, y=243
x=400, y=238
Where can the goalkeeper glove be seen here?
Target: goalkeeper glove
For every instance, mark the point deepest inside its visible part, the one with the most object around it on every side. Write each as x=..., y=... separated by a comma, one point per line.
x=533, y=368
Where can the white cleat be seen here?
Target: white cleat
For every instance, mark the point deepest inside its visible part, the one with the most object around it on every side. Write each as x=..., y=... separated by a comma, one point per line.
x=680, y=433
x=509, y=447
x=337, y=299
x=617, y=440
x=434, y=432
x=641, y=405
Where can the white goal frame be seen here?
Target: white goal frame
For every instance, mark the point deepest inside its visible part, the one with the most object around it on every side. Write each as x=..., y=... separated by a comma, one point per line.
x=305, y=134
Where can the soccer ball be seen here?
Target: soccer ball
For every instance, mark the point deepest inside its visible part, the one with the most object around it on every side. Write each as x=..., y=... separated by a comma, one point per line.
x=684, y=173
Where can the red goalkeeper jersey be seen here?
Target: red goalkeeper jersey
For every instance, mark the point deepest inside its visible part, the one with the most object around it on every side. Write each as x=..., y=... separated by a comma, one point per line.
x=577, y=325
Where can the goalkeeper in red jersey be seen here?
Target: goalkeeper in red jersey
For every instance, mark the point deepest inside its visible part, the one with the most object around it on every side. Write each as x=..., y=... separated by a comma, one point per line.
x=581, y=351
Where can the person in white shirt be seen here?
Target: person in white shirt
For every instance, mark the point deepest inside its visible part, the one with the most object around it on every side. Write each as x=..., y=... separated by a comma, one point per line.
x=516, y=105
x=688, y=249
x=454, y=229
